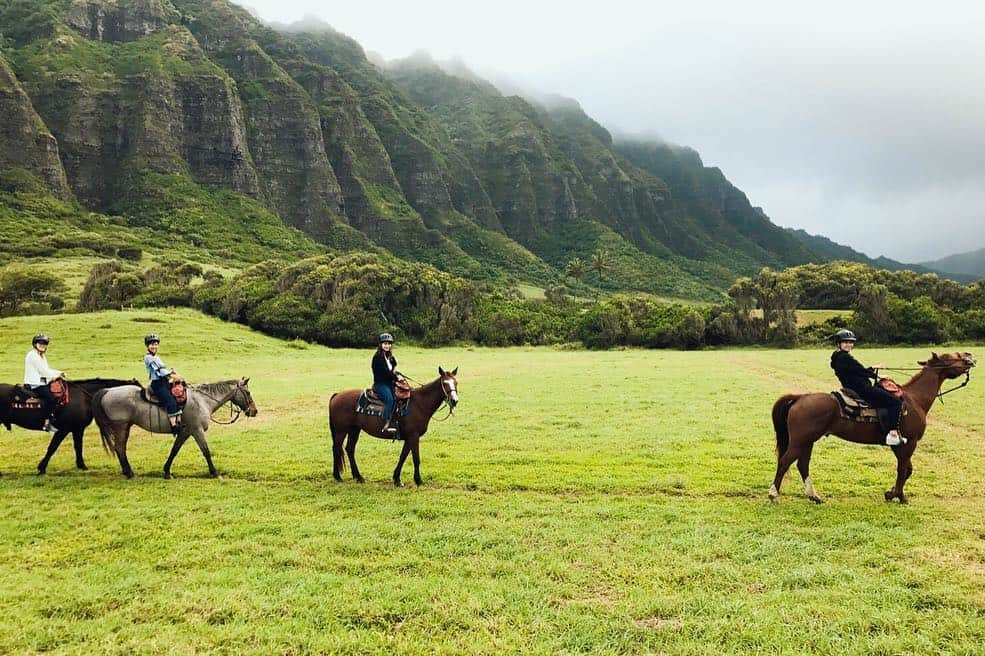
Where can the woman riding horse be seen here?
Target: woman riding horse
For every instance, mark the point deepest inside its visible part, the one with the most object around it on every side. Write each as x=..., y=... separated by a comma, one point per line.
x=38, y=374
x=855, y=377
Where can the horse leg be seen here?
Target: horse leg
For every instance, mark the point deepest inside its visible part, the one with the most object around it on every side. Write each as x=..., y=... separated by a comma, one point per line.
x=782, y=465
x=804, y=466
x=203, y=446
x=415, y=452
x=400, y=464
x=338, y=455
x=80, y=463
x=350, y=449
x=904, y=469
x=179, y=441
x=121, y=451
x=56, y=441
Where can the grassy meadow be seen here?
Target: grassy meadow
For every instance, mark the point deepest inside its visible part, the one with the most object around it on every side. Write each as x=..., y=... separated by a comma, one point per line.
x=576, y=503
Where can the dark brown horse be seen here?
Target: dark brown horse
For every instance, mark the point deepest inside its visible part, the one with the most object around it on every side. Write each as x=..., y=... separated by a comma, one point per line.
x=73, y=418
x=343, y=420
x=800, y=420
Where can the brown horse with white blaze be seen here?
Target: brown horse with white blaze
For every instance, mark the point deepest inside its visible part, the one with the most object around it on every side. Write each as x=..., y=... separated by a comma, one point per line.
x=345, y=422
x=800, y=420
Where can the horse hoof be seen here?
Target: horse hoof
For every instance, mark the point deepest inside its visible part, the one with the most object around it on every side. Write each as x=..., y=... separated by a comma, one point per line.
x=904, y=500
x=817, y=500
x=168, y=476
x=41, y=472
x=419, y=483
x=82, y=467
x=890, y=495
x=360, y=479
x=397, y=484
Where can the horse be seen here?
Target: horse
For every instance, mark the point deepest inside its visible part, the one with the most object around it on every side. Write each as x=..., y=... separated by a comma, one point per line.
x=343, y=420
x=117, y=410
x=72, y=418
x=799, y=420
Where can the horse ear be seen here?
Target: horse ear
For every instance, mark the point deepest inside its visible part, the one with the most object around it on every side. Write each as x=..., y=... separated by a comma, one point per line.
x=933, y=356
x=454, y=372
x=922, y=363
x=441, y=372
x=246, y=380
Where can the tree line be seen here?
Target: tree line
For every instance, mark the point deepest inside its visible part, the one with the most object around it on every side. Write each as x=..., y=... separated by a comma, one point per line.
x=345, y=300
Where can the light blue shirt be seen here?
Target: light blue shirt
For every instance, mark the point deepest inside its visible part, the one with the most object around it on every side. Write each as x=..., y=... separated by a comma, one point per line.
x=155, y=367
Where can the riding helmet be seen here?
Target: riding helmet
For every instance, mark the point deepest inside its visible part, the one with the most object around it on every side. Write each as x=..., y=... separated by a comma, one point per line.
x=844, y=336
x=150, y=339
x=40, y=337
x=386, y=337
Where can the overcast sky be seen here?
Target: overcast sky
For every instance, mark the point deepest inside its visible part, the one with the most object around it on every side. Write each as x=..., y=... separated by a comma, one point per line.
x=864, y=122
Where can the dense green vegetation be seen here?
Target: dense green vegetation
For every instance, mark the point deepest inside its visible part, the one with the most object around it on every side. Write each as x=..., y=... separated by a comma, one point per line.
x=559, y=513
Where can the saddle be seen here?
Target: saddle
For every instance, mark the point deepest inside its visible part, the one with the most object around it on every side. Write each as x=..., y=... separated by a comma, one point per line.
x=27, y=399
x=855, y=408
x=371, y=404
x=178, y=389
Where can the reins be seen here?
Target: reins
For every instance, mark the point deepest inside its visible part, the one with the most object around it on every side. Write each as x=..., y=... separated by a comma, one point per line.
x=444, y=400
x=940, y=394
x=234, y=411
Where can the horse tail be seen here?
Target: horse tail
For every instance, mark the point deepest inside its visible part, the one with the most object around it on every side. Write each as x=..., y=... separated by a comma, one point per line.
x=102, y=420
x=338, y=455
x=780, y=411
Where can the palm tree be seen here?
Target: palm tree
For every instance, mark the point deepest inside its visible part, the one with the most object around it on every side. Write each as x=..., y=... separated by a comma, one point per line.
x=600, y=262
x=576, y=268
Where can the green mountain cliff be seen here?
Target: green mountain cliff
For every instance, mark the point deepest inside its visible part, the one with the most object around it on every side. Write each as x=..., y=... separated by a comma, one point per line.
x=190, y=121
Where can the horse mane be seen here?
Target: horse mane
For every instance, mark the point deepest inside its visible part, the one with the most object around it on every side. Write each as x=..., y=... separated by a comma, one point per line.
x=220, y=387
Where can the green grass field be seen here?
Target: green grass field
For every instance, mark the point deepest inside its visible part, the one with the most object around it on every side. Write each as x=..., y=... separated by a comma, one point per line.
x=577, y=503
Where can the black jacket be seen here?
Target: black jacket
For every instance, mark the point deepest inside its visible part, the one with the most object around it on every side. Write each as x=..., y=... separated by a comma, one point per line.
x=382, y=372
x=850, y=371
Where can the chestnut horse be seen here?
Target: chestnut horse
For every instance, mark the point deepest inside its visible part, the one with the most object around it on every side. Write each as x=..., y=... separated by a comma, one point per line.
x=343, y=420
x=800, y=420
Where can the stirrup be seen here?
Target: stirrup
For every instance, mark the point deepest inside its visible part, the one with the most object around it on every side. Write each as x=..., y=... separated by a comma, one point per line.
x=894, y=440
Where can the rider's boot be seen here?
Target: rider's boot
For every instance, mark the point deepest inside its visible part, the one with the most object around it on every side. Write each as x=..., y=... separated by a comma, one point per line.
x=387, y=428
x=893, y=438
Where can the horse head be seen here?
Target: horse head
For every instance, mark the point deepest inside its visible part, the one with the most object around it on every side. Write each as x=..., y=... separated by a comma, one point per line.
x=449, y=386
x=243, y=399
x=950, y=365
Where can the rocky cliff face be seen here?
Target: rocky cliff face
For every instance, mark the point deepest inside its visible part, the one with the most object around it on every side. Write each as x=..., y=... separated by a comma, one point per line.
x=435, y=166
x=25, y=141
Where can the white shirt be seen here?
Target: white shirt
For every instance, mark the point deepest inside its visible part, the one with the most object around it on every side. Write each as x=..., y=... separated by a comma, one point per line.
x=36, y=369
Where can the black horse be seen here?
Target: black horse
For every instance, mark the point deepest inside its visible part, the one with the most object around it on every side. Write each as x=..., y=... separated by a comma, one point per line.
x=71, y=418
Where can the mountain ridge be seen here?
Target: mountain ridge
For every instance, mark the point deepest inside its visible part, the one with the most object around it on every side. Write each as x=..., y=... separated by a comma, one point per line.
x=119, y=104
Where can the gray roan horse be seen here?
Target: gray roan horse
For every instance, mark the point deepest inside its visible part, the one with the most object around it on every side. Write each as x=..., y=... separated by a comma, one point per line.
x=118, y=409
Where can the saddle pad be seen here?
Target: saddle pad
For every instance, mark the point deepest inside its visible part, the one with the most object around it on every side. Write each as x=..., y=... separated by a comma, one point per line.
x=369, y=403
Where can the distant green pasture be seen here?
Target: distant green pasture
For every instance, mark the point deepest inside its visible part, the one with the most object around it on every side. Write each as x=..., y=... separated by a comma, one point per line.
x=576, y=503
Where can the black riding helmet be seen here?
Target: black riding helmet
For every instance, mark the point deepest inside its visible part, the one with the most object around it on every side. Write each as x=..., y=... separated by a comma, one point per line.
x=150, y=339
x=385, y=337
x=844, y=336
x=39, y=338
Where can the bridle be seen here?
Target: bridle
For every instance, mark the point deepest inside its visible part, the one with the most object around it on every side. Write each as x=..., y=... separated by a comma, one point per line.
x=234, y=408
x=445, y=391
x=968, y=360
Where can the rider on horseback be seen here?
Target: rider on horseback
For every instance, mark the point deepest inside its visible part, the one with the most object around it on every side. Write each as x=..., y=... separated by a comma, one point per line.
x=37, y=375
x=385, y=376
x=160, y=381
x=855, y=377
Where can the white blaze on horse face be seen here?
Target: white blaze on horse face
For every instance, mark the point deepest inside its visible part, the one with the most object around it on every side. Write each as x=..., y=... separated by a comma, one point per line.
x=452, y=392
